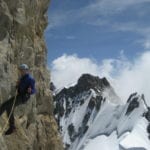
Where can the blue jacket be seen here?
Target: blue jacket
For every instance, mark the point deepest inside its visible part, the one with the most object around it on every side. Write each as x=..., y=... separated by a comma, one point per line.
x=24, y=83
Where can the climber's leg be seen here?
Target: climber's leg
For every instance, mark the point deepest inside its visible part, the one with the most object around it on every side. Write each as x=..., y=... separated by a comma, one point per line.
x=10, y=114
x=9, y=107
x=6, y=105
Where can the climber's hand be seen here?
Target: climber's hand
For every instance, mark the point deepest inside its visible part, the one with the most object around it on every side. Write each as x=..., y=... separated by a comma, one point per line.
x=29, y=90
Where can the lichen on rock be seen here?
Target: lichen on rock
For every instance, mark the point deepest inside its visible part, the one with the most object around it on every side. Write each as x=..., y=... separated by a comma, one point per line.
x=22, y=23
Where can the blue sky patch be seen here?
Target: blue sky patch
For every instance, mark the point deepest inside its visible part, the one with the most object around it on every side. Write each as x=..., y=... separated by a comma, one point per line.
x=98, y=29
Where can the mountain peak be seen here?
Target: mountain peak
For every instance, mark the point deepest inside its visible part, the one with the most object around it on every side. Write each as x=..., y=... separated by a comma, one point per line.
x=89, y=81
x=85, y=83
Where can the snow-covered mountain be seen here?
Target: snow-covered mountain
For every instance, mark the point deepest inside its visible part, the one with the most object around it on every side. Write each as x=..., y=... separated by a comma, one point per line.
x=91, y=116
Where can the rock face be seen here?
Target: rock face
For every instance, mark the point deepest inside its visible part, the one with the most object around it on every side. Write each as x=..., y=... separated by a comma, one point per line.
x=22, y=23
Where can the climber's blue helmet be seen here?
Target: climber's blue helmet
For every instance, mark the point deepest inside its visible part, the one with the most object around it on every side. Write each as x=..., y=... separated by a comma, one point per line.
x=23, y=67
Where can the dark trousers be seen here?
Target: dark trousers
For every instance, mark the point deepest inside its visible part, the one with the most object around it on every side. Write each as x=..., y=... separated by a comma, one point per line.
x=7, y=106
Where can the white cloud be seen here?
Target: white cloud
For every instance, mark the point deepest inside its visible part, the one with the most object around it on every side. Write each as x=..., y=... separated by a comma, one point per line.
x=125, y=76
x=68, y=68
x=134, y=77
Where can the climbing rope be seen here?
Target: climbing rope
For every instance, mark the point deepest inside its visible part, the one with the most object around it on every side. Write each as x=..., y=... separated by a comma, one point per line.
x=6, y=124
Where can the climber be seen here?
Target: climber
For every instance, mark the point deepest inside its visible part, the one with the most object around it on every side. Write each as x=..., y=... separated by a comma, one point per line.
x=25, y=87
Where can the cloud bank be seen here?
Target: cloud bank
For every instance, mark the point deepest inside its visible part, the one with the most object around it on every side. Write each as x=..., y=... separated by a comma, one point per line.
x=125, y=76
x=68, y=68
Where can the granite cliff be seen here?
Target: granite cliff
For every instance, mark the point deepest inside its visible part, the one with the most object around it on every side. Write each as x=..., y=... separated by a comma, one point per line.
x=22, y=23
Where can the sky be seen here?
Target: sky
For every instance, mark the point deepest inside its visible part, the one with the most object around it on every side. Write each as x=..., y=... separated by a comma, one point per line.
x=103, y=37
x=98, y=28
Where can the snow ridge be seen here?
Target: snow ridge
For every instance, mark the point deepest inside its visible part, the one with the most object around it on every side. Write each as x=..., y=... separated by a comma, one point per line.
x=91, y=116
